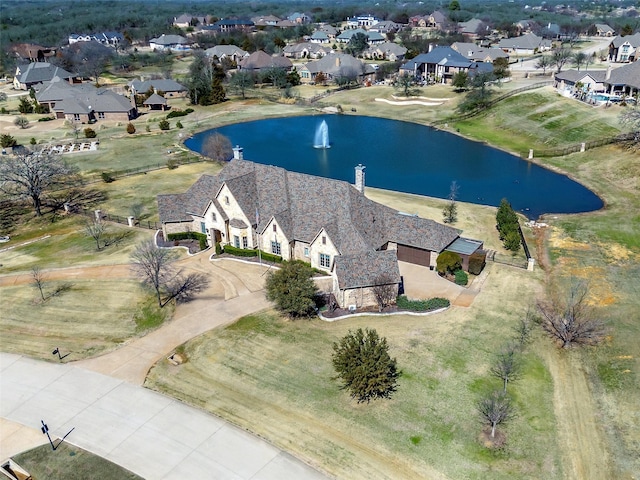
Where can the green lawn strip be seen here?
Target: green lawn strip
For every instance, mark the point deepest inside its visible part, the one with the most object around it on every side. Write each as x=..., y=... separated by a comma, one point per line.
x=275, y=377
x=71, y=463
x=87, y=318
x=540, y=119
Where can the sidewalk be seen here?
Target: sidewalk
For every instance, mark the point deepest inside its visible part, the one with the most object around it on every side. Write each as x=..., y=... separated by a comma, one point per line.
x=152, y=435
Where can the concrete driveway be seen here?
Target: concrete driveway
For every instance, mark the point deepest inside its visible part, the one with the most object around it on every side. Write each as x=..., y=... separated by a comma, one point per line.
x=150, y=434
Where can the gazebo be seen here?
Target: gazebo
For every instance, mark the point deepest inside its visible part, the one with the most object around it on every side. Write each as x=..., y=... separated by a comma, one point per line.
x=155, y=102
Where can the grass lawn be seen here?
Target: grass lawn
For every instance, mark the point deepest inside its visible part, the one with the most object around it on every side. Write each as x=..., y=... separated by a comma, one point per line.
x=70, y=463
x=67, y=245
x=541, y=119
x=275, y=378
x=86, y=318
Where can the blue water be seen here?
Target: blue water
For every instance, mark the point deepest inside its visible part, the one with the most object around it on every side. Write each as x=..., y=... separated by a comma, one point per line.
x=409, y=158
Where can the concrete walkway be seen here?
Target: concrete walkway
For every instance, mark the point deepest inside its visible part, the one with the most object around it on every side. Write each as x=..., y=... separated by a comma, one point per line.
x=152, y=435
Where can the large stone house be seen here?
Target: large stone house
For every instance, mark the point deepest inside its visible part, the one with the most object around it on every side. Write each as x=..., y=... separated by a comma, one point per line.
x=37, y=73
x=334, y=66
x=527, y=44
x=85, y=103
x=327, y=223
x=441, y=64
x=625, y=49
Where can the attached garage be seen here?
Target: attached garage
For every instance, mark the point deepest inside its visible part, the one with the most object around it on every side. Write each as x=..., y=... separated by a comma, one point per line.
x=414, y=255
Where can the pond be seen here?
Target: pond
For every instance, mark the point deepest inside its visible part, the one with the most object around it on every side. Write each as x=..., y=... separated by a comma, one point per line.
x=406, y=157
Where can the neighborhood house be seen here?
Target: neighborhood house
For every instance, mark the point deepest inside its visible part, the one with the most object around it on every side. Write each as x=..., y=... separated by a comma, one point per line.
x=327, y=223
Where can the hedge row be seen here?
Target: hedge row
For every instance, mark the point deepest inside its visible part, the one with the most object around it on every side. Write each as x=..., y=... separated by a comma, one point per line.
x=201, y=237
x=179, y=113
x=246, y=252
x=435, y=303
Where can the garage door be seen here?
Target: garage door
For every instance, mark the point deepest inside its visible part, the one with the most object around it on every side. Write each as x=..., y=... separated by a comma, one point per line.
x=414, y=255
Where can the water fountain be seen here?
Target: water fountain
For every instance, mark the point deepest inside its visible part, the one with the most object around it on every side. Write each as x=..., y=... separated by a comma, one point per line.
x=321, y=139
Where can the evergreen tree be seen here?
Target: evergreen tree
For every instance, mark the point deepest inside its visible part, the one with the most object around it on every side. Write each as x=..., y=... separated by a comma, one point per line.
x=362, y=362
x=292, y=289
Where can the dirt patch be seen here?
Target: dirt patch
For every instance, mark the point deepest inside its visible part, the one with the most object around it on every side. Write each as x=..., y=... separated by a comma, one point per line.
x=558, y=239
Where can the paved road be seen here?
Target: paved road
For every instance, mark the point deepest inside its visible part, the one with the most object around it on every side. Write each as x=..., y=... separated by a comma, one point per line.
x=150, y=434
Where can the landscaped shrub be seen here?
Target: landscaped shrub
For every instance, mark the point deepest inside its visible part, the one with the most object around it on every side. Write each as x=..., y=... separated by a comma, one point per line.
x=33, y=141
x=90, y=133
x=270, y=257
x=448, y=262
x=179, y=113
x=164, y=125
x=435, y=303
x=179, y=124
x=131, y=128
x=240, y=252
x=107, y=177
x=218, y=248
x=461, y=277
x=201, y=237
x=172, y=164
x=477, y=261
x=46, y=119
x=7, y=141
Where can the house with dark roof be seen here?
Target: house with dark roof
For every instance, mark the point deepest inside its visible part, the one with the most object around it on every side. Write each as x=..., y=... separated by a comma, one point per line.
x=603, y=30
x=175, y=43
x=579, y=83
x=260, y=61
x=440, y=65
x=226, y=51
x=624, y=80
x=337, y=65
x=479, y=54
x=356, y=241
x=305, y=50
x=472, y=28
x=30, y=52
x=527, y=44
x=625, y=49
x=85, y=103
x=387, y=51
x=373, y=38
x=36, y=73
x=169, y=87
x=231, y=24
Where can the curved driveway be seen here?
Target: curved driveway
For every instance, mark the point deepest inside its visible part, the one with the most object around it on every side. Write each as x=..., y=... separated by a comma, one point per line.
x=152, y=435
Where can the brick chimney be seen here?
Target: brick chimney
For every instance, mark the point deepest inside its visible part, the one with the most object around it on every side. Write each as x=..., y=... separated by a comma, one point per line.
x=360, y=178
x=238, y=153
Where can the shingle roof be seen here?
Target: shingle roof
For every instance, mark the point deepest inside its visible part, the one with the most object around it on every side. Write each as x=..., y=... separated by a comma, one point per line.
x=367, y=269
x=225, y=51
x=530, y=41
x=169, y=40
x=440, y=56
x=633, y=40
x=420, y=232
x=155, y=99
x=574, y=76
x=336, y=64
x=38, y=72
x=626, y=75
x=83, y=98
x=260, y=60
x=160, y=84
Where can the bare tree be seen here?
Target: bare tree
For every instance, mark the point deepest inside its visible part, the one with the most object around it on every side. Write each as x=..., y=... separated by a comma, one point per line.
x=570, y=320
x=38, y=280
x=217, y=147
x=32, y=175
x=560, y=57
x=523, y=328
x=95, y=229
x=631, y=118
x=385, y=291
x=155, y=268
x=495, y=409
x=507, y=366
x=544, y=62
x=75, y=128
x=450, y=211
